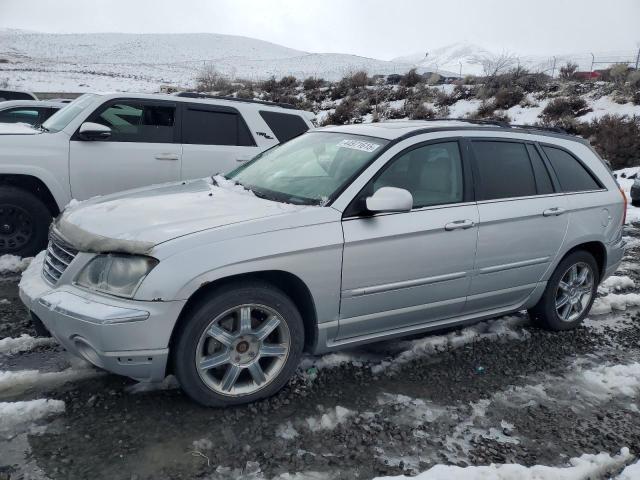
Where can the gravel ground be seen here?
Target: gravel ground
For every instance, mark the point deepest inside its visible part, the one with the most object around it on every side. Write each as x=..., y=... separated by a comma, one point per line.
x=504, y=392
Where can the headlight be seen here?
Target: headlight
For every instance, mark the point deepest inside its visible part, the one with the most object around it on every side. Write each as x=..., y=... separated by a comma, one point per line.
x=116, y=274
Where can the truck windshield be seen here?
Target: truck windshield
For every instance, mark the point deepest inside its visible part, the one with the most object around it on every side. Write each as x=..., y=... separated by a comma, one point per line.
x=63, y=117
x=309, y=169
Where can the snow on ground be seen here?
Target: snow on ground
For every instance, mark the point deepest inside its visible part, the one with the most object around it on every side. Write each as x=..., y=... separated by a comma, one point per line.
x=633, y=213
x=614, y=301
x=330, y=419
x=15, y=416
x=580, y=468
x=14, y=382
x=13, y=264
x=616, y=283
x=23, y=343
x=606, y=106
x=632, y=472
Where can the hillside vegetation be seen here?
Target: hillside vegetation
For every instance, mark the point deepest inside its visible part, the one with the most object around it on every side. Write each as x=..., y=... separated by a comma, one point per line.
x=607, y=111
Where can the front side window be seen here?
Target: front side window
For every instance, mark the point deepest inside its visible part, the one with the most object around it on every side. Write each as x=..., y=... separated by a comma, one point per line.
x=310, y=169
x=431, y=173
x=504, y=170
x=138, y=122
x=572, y=175
x=211, y=127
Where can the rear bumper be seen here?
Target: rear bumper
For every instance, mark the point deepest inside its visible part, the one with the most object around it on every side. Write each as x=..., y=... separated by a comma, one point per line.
x=126, y=337
x=615, y=253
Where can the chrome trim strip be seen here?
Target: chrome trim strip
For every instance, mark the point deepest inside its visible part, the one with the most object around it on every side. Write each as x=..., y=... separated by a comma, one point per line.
x=126, y=315
x=358, y=292
x=510, y=266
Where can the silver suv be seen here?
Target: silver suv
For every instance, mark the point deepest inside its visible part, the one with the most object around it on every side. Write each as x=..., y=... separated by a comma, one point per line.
x=342, y=236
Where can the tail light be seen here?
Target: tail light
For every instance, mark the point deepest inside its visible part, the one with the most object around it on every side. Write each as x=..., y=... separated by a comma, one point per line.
x=624, y=204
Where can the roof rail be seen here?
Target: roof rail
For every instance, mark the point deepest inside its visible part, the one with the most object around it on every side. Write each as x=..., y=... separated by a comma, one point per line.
x=234, y=99
x=500, y=123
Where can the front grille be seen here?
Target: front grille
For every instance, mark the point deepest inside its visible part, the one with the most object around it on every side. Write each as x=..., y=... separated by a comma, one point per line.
x=59, y=256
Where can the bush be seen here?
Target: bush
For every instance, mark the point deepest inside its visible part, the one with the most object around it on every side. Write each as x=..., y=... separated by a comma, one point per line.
x=420, y=112
x=209, y=80
x=563, y=107
x=394, y=79
x=568, y=71
x=485, y=110
x=359, y=79
x=344, y=113
x=616, y=139
x=411, y=78
x=506, y=98
x=288, y=83
x=312, y=83
x=618, y=73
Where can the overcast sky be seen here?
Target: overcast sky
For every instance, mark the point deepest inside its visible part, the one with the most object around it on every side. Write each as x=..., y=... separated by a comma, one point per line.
x=373, y=28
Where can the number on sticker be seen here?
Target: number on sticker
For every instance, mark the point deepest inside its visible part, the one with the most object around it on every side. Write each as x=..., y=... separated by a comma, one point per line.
x=358, y=145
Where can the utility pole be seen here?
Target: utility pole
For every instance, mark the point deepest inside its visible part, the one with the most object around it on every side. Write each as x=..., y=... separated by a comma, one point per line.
x=553, y=69
x=638, y=59
x=593, y=60
x=460, y=69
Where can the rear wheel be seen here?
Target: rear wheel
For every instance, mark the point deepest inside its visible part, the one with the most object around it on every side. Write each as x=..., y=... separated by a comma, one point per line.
x=240, y=345
x=24, y=222
x=569, y=294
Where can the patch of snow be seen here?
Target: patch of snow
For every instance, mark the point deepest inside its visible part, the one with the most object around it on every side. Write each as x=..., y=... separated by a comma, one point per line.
x=608, y=381
x=13, y=264
x=23, y=343
x=19, y=381
x=169, y=383
x=615, y=301
x=631, y=472
x=14, y=416
x=606, y=106
x=202, y=444
x=286, y=431
x=412, y=411
x=463, y=108
x=329, y=420
x=580, y=468
x=617, y=283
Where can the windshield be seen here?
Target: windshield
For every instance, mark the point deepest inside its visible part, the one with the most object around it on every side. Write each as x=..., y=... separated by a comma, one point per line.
x=309, y=169
x=63, y=117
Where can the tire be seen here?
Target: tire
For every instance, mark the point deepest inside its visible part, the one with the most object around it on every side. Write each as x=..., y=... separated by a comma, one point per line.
x=234, y=354
x=547, y=314
x=24, y=222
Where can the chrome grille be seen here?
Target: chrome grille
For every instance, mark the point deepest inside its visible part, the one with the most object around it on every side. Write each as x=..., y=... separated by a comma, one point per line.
x=59, y=256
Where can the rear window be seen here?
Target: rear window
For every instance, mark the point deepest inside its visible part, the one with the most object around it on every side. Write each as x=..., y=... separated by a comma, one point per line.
x=211, y=127
x=572, y=175
x=285, y=126
x=504, y=170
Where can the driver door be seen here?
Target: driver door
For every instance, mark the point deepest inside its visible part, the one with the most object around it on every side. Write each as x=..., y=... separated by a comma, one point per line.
x=143, y=149
x=406, y=269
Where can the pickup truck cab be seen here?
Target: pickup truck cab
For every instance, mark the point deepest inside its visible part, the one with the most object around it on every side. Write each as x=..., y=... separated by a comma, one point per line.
x=105, y=143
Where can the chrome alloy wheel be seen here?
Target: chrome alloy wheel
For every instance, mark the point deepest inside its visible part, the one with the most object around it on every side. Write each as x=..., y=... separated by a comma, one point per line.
x=574, y=292
x=243, y=350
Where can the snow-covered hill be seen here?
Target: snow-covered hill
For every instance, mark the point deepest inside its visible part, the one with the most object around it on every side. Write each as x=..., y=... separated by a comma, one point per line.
x=115, y=61
x=448, y=58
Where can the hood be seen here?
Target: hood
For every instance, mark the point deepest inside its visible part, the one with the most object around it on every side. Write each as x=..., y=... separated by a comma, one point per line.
x=137, y=220
x=18, y=129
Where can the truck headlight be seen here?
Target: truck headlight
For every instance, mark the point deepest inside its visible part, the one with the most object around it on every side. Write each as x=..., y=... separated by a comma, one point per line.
x=115, y=274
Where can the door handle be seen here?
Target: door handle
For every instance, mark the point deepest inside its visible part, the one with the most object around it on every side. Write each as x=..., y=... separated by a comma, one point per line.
x=553, y=212
x=167, y=156
x=459, y=225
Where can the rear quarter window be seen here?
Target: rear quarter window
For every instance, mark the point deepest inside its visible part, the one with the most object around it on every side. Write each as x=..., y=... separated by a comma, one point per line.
x=285, y=126
x=571, y=173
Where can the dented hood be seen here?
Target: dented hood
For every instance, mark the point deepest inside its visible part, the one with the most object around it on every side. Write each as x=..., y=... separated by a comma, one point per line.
x=137, y=220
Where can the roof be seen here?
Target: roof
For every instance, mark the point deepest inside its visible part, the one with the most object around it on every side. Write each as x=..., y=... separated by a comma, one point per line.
x=30, y=103
x=394, y=130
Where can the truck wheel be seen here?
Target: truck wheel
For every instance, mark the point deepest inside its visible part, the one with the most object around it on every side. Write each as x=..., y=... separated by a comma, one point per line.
x=635, y=202
x=570, y=293
x=240, y=344
x=24, y=222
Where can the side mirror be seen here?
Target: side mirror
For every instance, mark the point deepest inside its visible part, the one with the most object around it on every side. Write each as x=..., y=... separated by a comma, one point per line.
x=94, y=131
x=390, y=199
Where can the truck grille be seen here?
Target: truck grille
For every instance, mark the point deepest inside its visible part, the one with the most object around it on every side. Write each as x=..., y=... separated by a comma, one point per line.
x=59, y=256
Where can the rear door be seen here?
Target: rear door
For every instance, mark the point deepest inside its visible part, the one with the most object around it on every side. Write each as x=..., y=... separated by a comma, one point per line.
x=143, y=148
x=215, y=139
x=523, y=222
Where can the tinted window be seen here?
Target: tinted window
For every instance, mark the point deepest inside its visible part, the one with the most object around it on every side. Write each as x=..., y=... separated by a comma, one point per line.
x=572, y=175
x=210, y=127
x=543, y=180
x=504, y=170
x=433, y=174
x=10, y=95
x=138, y=122
x=20, y=115
x=284, y=125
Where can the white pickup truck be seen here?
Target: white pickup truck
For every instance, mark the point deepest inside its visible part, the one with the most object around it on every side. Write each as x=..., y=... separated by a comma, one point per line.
x=104, y=143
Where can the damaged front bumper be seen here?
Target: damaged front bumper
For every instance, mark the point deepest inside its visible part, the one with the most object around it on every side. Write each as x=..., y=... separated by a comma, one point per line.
x=126, y=337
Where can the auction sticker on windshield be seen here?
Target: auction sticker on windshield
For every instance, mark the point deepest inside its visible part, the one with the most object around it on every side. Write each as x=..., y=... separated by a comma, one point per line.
x=358, y=145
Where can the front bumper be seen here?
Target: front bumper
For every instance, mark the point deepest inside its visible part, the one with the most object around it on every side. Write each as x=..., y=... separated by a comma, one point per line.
x=126, y=337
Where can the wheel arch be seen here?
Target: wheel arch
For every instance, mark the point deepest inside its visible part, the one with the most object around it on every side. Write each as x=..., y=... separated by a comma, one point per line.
x=595, y=248
x=289, y=283
x=32, y=184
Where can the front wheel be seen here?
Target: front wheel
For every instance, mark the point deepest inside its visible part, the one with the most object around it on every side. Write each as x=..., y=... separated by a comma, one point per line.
x=240, y=345
x=24, y=222
x=569, y=294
